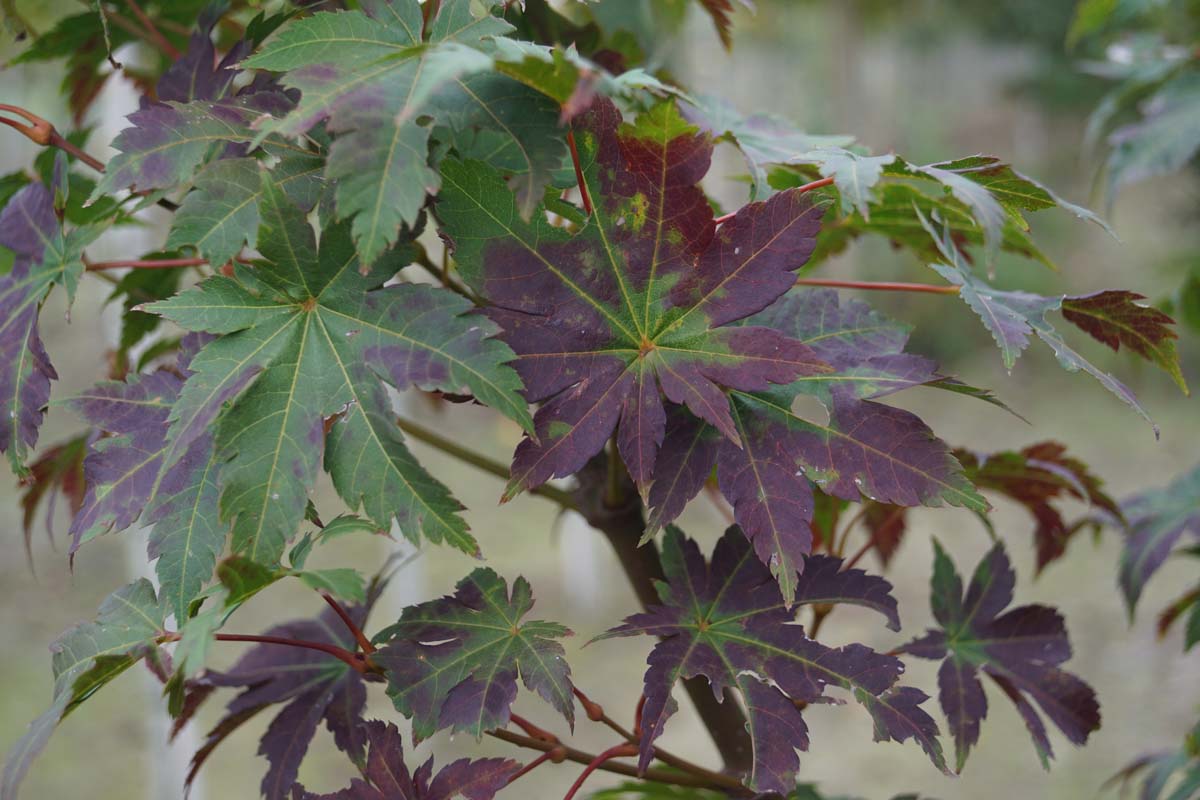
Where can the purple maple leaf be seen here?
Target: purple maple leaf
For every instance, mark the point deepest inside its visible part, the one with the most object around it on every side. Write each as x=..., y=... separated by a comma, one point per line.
x=386, y=776
x=312, y=686
x=726, y=620
x=1021, y=650
x=865, y=447
x=27, y=226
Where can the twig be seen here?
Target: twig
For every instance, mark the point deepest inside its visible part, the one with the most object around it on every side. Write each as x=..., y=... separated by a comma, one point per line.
x=152, y=32
x=623, y=750
x=595, y=712
x=356, y=660
x=728, y=783
x=480, y=461
x=364, y=643
x=40, y=131
x=159, y=263
x=878, y=286
x=549, y=755
x=808, y=187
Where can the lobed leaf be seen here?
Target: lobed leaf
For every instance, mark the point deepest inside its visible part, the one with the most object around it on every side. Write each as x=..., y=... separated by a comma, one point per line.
x=387, y=777
x=1022, y=650
x=307, y=338
x=726, y=620
x=453, y=662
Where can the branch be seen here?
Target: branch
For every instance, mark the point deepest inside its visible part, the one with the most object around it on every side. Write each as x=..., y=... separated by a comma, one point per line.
x=623, y=750
x=356, y=660
x=40, y=131
x=623, y=527
x=629, y=770
x=364, y=643
x=595, y=712
x=480, y=461
x=159, y=263
x=808, y=187
x=879, y=286
x=153, y=33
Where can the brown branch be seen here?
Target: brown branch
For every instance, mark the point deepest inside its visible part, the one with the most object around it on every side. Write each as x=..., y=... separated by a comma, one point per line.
x=159, y=263
x=355, y=660
x=878, y=286
x=364, y=644
x=40, y=131
x=479, y=461
x=623, y=527
x=727, y=783
x=623, y=750
x=808, y=187
x=153, y=33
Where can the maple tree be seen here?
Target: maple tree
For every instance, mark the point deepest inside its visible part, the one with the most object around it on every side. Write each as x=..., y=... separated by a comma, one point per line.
x=648, y=345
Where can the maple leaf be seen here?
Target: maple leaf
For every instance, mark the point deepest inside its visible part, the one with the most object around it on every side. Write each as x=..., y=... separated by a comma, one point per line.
x=44, y=255
x=127, y=479
x=1034, y=477
x=864, y=449
x=221, y=213
x=1164, y=775
x=311, y=686
x=387, y=777
x=58, y=471
x=306, y=337
x=1157, y=519
x=636, y=305
x=84, y=659
x=378, y=94
x=1013, y=316
x=726, y=620
x=453, y=662
x=1117, y=318
x=763, y=139
x=1021, y=650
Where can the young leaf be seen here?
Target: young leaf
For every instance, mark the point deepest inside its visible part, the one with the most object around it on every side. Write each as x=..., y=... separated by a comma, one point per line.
x=386, y=776
x=1116, y=318
x=763, y=139
x=310, y=338
x=727, y=621
x=1157, y=520
x=85, y=658
x=1021, y=650
x=1012, y=317
x=43, y=257
x=58, y=472
x=453, y=663
x=314, y=687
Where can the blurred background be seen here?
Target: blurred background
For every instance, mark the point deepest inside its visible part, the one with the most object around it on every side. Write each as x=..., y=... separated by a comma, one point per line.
x=929, y=79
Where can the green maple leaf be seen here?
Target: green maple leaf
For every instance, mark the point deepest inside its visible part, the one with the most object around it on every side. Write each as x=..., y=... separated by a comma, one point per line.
x=306, y=337
x=467, y=678
x=376, y=81
x=84, y=659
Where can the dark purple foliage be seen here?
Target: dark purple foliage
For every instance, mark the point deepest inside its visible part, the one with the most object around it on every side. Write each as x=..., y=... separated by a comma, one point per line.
x=726, y=620
x=1021, y=650
x=312, y=686
x=386, y=776
x=27, y=225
